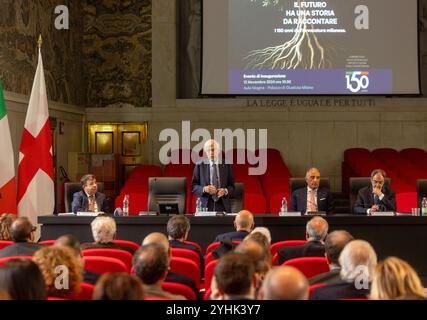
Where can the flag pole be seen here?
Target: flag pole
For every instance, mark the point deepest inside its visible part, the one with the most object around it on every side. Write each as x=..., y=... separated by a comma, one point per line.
x=40, y=41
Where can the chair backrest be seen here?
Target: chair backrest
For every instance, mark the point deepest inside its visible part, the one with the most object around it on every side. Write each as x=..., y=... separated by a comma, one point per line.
x=298, y=183
x=357, y=183
x=209, y=271
x=6, y=259
x=187, y=254
x=133, y=245
x=314, y=287
x=207, y=294
x=212, y=246
x=309, y=266
x=275, y=261
x=167, y=190
x=421, y=190
x=86, y=292
x=124, y=256
x=286, y=243
x=179, y=289
x=103, y=265
x=186, y=268
x=208, y=258
x=72, y=187
x=196, y=245
x=237, y=198
x=47, y=242
x=5, y=243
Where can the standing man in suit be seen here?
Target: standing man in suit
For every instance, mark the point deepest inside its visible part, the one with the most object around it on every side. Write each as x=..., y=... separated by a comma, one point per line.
x=376, y=197
x=312, y=198
x=89, y=199
x=213, y=181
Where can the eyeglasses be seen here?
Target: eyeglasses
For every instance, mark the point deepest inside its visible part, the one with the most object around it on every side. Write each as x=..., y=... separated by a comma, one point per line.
x=379, y=182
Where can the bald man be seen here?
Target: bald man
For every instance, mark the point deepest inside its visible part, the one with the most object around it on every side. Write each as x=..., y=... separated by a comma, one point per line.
x=160, y=238
x=243, y=223
x=213, y=180
x=284, y=283
x=312, y=198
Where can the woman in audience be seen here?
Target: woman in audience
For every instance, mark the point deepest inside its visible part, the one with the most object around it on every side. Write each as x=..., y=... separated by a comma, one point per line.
x=394, y=279
x=118, y=286
x=61, y=271
x=21, y=279
x=6, y=220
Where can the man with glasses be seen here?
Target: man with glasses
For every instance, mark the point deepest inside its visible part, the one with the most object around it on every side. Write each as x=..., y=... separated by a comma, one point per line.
x=89, y=199
x=376, y=197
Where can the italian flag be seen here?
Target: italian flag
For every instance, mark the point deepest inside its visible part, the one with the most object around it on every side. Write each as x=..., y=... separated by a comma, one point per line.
x=7, y=163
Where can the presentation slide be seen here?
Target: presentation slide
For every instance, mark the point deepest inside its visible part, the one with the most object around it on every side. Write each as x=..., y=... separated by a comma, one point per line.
x=333, y=47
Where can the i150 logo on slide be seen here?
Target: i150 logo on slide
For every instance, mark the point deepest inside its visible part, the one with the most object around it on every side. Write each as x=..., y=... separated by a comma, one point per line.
x=357, y=80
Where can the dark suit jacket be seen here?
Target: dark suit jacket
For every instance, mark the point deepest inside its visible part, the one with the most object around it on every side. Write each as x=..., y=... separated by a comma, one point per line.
x=80, y=202
x=310, y=249
x=365, y=200
x=111, y=245
x=234, y=235
x=178, y=278
x=20, y=249
x=324, y=200
x=339, y=290
x=201, y=178
x=327, y=277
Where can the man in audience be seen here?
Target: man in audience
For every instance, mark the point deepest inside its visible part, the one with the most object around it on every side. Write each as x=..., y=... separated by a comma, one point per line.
x=316, y=232
x=243, y=223
x=73, y=243
x=334, y=244
x=257, y=254
x=312, y=198
x=22, y=234
x=358, y=261
x=89, y=199
x=178, y=228
x=376, y=197
x=235, y=278
x=160, y=238
x=104, y=232
x=151, y=264
x=213, y=182
x=284, y=283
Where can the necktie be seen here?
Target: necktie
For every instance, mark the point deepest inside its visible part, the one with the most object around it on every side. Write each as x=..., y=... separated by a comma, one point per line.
x=91, y=203
x=215, y=179
x=376, y=199
x=312, y=200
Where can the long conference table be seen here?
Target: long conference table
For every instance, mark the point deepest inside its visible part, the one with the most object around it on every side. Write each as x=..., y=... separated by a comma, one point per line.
x=401, y=236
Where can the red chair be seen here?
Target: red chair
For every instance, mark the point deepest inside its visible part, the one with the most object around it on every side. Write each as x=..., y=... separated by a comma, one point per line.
x=314, y=287
x=86, y=292
x=179, y=289
x=286, y=243
x=133, y=245
x=186, y=268
x=214, y=245
x=5, y=243
x=207, y=294
x=209, y=270
x=309, y=266
x=187, y=254
x=47, y=242
x=196, y=245
x=103, y=265
x=124, y=256
x=208, y=258
x=275, y=260
x=6, y=259
x=56, y=298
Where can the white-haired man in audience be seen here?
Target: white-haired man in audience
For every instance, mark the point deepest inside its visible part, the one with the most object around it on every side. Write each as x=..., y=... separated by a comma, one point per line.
x=104, y=233
x=358, y=261
x=264, y=231
x=316, y=232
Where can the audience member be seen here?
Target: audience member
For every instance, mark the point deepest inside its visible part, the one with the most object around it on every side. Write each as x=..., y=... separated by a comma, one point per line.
x=243, y=223
x=264, y=231
x=118, y=286
x=6, y=220
x=316, y=232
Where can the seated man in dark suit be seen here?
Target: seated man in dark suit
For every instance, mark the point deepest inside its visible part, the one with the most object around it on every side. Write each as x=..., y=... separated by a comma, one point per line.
x=334, y=244
x=312, y=198
x=243, y=223
x=89, y=199
x=104, y=232
x=316, y=232
x=178, y=228
x=21, y=232
x=358, y=261
x=376, y=197
x=213, y=181
x=160, y=238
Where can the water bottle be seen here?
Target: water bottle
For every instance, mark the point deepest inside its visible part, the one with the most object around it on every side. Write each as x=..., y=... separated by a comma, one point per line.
x=284, y=207
x=424, y=207
x=198, y=205
x=126, y=205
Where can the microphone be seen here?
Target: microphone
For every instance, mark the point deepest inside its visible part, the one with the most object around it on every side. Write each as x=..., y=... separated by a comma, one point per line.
x=118, y=212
